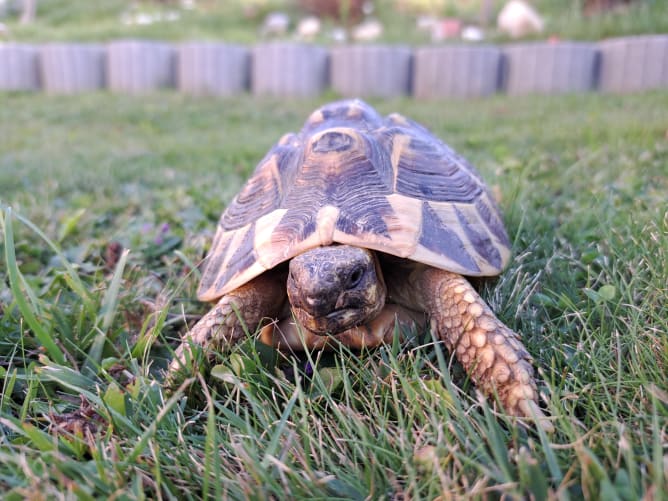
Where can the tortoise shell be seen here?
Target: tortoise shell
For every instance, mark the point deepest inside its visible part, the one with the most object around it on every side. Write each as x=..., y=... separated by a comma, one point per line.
x=353, y=177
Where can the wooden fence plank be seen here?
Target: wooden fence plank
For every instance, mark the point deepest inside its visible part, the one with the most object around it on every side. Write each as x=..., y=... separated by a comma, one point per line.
x=288, y=69
x=68, y=68
x=371, y=70
x=633, y=64
x=549, y=68
x=208, y=68
x=463, y=71
x=19, y=67
x=137, y=66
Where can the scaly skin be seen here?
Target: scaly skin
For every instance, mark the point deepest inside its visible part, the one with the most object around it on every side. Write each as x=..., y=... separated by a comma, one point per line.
x=491, y=353
x=237, y=312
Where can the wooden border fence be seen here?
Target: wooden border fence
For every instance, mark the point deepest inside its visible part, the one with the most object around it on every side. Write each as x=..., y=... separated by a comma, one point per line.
x=619, y=65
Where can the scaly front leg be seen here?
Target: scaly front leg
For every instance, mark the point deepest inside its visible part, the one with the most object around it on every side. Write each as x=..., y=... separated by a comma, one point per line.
x=491, y=353
x=223, y=326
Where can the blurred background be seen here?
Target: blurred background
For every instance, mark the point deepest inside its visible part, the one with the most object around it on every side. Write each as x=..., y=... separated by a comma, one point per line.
x=329, y=21
x=109, y=202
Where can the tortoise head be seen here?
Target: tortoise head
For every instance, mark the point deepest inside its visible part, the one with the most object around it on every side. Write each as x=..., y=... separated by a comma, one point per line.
x=332, y=289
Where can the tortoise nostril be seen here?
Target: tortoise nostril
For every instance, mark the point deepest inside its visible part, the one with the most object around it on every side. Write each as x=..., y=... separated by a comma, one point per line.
x=318, y=305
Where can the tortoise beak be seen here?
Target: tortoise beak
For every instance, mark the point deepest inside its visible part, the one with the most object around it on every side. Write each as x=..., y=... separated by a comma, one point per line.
x=333, y=323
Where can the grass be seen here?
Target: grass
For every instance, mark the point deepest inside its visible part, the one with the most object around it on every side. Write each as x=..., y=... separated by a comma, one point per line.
x=240, y=21
x=85, y=328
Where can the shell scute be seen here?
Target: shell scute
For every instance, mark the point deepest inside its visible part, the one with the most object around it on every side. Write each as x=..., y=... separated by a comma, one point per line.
x=426, y=168
x=476, y=234
x=351, y=176
x=263, y=191
x=438, y=236
x=350, y=113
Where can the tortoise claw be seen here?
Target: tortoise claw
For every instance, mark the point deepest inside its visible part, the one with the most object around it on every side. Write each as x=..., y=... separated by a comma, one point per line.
x=530, y=409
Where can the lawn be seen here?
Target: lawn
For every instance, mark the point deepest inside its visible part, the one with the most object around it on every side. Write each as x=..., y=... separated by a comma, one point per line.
x=86, y=327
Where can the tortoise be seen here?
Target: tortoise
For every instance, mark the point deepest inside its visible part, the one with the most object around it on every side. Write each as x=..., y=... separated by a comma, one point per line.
x=356, y=223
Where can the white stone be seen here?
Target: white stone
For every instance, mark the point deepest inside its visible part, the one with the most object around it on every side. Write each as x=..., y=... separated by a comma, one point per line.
x=519, y=19
x=367, y=31
x=275, y=24
x=339, y=35
x=473, y=34
x=309, y=28
x=426, y=23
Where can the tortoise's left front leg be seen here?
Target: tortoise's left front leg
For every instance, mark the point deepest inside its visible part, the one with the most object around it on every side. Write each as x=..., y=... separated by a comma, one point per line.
x=239, y=311
x=491, y=353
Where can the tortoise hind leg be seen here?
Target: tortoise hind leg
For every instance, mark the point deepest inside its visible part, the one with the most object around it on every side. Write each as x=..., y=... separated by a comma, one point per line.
x=491, y=353
x=226, y=323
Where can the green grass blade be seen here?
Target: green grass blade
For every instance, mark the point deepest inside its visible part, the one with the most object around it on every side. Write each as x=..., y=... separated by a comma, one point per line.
x=657, y=451
x=94, y=354
x=110, y=300
x=151, y=430
x=32, y=298
x=497, y=444
x=30, y=392
x=211, y=458
x=67, y=377
x=8, y=382
x=550, y=457
x=15, y=281
x=88, y=387
x=149, y=332
x=106, y=316
x=71, y=276
x=274, y=443
x=38, y=438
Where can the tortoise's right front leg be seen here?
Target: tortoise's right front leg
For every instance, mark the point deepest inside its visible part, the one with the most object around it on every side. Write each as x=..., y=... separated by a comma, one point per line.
x=491, y=353
x=237, y=312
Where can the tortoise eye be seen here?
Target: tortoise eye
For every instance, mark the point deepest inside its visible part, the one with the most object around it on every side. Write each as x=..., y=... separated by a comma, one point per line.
x=355, y=277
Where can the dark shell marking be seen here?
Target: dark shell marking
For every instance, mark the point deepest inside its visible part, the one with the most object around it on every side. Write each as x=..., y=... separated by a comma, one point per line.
x=353, y=177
